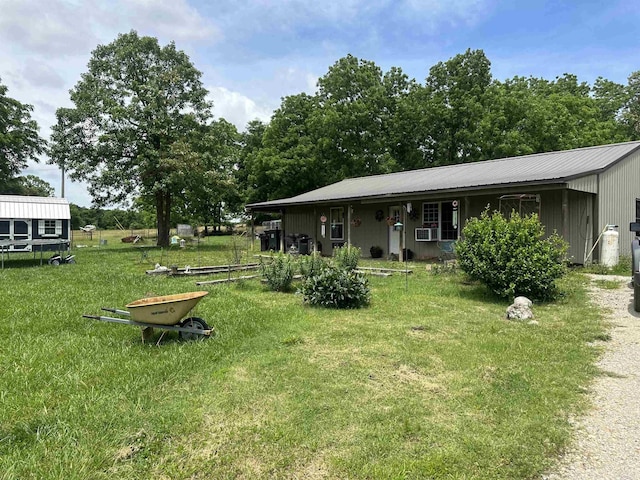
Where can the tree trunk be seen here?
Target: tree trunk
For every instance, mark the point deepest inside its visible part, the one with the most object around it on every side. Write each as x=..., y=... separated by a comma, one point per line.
x=163, y=217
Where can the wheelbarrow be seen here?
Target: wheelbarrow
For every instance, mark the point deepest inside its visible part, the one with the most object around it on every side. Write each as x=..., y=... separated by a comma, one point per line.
x=165, y=313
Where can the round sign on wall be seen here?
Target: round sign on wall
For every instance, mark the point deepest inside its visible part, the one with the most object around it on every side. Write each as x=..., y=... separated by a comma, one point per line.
x=454, y=203
x=323, y=219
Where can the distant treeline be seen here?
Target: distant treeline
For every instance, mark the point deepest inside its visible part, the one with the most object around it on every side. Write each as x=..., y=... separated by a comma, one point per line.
x=110, y=219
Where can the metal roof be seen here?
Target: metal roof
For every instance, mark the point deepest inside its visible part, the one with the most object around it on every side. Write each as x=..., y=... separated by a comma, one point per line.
x=41, y=208
x=551, y=167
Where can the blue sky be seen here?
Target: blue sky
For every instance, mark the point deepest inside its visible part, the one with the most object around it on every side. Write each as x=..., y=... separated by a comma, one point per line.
x=254, y=52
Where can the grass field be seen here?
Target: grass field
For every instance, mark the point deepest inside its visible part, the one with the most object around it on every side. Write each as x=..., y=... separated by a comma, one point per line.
x=428, y=382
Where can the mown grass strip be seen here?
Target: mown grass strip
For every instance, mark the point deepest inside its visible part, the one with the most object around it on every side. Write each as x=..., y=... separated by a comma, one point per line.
x=428, y=382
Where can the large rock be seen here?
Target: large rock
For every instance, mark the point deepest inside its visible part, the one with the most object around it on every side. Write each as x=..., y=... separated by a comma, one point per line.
x=523, y=301
x=520, y=309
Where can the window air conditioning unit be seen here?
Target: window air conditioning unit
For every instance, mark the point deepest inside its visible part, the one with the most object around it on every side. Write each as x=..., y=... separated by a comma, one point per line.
x=426, y=234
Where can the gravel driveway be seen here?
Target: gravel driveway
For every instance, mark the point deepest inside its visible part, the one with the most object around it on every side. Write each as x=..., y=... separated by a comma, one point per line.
x=607, y=443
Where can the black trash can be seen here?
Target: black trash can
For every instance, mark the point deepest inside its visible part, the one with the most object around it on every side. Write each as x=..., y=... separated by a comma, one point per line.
x=303, y=244
x=273, y=240
x=264, y=242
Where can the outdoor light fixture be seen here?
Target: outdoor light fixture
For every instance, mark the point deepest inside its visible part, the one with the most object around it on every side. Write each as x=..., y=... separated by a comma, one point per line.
x=398, y=226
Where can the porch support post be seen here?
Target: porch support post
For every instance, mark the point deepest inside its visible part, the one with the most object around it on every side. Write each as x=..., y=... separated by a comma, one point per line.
x=402, y=234
x=315, y=231
x=253, y=231
x=282, y=243
x=461, y=220
x=349, y=226
x=565, y=214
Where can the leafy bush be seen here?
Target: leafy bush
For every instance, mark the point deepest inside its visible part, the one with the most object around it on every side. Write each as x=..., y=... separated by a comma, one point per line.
x=512, y=257
x=278, y=273
x=311, y=265
x=347, y=257
x=336, y=287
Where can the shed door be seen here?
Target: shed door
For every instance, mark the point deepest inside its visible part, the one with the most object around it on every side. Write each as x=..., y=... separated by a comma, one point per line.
x=20, y=230
x=5, y=229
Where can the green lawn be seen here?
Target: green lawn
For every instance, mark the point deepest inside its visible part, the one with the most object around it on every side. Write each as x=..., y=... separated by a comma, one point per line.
x=428, y=382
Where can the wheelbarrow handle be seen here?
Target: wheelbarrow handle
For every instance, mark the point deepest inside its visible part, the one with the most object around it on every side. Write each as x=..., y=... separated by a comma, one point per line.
x=115, y=310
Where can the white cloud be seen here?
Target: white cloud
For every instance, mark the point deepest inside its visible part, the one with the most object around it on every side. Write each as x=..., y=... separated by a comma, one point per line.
x=236, y=108
x=39, y=74
x=59, y=28
x=170, y=19
x=45, y=27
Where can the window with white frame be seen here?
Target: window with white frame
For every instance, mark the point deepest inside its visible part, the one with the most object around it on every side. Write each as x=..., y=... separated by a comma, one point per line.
x=443, y=216
x=50, y=228
x=337, y=224
x=430, y=215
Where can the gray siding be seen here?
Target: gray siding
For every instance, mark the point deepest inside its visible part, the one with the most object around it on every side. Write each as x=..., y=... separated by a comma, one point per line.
x=370, y=232
x=585, y=184
x=581, y=225
x=619, y=187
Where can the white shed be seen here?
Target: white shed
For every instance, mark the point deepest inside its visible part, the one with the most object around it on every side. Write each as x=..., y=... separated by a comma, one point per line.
x=30, y=222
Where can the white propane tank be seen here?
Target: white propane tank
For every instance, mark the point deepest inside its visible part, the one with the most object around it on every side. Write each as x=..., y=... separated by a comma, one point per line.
x=610, y=251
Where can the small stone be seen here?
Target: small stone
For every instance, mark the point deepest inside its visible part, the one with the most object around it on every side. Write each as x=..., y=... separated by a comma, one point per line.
x=533, y=322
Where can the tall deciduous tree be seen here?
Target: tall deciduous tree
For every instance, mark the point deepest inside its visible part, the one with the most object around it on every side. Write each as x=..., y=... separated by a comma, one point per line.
x=34, y=185
x=631, y=114
x=135, y=110
x=356, y=108
x=211, y=191
x=19, y=138
x=287, y=162
x=529, y=115
x=454, y=101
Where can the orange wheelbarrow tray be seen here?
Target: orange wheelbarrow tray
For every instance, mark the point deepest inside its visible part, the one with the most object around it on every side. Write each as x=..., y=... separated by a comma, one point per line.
x=164, y=312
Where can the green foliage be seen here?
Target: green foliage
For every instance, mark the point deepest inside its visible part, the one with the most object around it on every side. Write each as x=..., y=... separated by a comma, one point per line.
x=622, y=268
x=278, y=272
x=34, y=185
x=336, y=287
x=211, y=194
x=135, y=129
x=311, y=265
x=364, y=121
x=347, y=257
x=30, y=185
x=19, y=138
x=108, y=219
x=450, y=268
x=511, y=256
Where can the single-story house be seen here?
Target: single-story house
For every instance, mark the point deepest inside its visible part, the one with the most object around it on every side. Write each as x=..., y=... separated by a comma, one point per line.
x=575, y=192
x=34, y=223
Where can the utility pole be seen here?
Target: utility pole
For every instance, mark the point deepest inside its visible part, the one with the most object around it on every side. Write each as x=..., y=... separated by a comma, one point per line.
x=62, y=189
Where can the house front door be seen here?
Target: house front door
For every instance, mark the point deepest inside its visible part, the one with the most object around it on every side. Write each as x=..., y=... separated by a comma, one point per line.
x=394, y=235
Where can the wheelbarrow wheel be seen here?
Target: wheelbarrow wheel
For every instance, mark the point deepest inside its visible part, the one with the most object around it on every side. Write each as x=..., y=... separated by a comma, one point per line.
x=195, y=323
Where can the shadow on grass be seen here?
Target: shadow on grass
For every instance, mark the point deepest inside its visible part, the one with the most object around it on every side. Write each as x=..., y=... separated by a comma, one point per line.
x=17, y=263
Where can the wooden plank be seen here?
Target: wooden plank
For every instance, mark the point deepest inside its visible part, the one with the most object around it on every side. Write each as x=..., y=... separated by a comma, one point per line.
x=226, y=280
x=392, y=270
x=374, y=273
x=206, y=270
